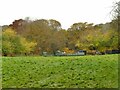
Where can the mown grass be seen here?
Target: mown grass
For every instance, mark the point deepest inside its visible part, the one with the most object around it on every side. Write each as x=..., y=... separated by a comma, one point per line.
x=60, y=72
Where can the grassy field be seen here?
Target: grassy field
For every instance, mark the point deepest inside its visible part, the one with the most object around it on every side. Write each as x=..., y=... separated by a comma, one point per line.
x=60, y=72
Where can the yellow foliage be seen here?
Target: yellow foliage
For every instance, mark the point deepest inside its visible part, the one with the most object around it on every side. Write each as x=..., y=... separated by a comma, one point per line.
x=28, y=46
x=9, y=32
x=14, y=43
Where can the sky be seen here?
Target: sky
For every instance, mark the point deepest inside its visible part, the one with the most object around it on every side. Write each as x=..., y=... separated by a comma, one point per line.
x=66, y=12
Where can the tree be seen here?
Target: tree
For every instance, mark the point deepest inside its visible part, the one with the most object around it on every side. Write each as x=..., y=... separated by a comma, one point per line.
x=77, y=34
x=13, y=44
x=116, y=10
x=47, y=34
x=55, y=25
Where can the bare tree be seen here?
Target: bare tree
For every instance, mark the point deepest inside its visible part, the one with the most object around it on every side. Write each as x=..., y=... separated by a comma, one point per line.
x=115, y=12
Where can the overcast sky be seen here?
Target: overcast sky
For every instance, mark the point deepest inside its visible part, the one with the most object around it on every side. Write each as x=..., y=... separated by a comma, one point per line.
x=66, y=12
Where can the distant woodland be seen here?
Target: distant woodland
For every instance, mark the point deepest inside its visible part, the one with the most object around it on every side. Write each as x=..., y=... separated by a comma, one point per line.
x=27, y=37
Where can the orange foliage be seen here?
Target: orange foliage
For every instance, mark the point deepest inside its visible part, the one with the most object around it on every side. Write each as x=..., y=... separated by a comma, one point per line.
x=67, y=50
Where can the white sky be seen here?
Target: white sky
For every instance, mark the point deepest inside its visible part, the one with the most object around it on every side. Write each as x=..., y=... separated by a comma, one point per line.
x=66, y=12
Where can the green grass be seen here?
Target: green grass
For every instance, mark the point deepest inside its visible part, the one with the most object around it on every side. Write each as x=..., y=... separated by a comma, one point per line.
x=60, y=72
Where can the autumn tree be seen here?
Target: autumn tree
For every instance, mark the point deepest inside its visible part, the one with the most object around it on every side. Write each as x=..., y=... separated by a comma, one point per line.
x=13, y=44
x=50, y=37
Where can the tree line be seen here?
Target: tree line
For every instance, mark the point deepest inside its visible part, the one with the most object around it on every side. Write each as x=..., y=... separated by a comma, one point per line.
x=27, y=37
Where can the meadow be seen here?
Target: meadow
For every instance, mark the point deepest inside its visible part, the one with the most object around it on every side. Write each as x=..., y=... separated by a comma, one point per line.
x=98, y=71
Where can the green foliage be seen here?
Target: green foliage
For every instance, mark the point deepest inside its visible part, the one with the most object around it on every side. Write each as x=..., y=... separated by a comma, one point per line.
x=60, y=72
